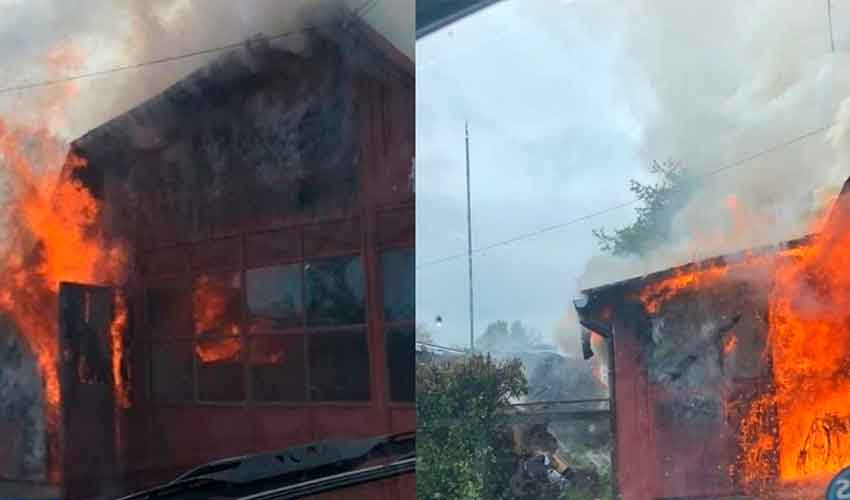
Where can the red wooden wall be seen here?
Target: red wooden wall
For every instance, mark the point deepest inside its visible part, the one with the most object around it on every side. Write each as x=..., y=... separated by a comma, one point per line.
x=165, y=438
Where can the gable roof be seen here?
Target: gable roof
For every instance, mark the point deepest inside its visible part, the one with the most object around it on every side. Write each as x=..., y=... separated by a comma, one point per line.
x=352, y=43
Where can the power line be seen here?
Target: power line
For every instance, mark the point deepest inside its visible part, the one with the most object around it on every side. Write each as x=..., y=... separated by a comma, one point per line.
x=619, y=206
x=359, y=12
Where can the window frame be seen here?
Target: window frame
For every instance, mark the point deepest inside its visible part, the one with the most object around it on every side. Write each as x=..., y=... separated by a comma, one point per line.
x=186, y=274
x=389, y=244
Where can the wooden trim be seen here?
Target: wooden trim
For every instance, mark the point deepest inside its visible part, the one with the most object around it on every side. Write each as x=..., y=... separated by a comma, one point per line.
x=612, y=408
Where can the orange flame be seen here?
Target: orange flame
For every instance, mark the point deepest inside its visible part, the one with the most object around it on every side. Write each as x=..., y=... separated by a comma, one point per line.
x=729, y=344
x=210, y=314
x=808, y=333
x=50, y=234
x=116, y=332
x=656, y=294
x=49, y=243
x=802, y=427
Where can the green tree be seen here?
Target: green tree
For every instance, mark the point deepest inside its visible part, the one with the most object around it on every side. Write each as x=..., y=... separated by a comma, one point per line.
x=463, y=453
x=659, y=204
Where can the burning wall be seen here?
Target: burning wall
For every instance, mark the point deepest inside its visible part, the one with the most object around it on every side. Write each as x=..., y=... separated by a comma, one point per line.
x=51, y=234
x=271, y=136
x=755, y=348
x=264, y=157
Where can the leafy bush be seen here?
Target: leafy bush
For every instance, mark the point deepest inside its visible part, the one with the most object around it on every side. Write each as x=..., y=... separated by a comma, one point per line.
x=462, y=453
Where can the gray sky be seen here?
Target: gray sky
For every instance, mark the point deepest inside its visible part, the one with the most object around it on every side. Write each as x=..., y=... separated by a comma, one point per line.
x=567, y=100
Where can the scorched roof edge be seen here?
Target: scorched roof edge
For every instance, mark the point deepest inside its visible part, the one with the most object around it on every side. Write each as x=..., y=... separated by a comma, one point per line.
x=251, y=61
x=705, y=263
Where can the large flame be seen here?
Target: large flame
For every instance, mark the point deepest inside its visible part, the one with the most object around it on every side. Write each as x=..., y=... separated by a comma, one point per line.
x=809, y=334
x=801, y=428
x=49, y=231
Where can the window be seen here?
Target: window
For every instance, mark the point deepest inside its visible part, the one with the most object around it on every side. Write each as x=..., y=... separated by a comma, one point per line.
x=279, y=328
x=216, y=316
x=399, y=289
x=339, y=365
x=277, y=368
x=401, y=363
x=335, y=292
x=397, y=274
x=290, y=309
x=274, y=296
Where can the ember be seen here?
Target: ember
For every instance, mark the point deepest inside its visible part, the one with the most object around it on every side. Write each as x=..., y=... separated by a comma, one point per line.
x=729, y=344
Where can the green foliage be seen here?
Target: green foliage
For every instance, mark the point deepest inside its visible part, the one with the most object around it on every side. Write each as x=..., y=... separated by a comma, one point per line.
x=659, y=204
x=462, y=455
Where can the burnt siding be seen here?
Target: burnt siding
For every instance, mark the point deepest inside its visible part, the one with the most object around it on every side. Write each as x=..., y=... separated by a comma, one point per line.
x=315, y=150
x=677, y=392
x=210, y=158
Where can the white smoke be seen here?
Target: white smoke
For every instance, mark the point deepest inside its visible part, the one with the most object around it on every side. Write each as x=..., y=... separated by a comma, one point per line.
x=711, y=83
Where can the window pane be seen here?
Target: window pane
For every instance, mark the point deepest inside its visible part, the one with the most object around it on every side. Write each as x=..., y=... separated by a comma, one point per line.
x=335, y=291
x=217, y=304
x=169, y=310
x=401, y=363
x=217, y=312
x=220, y=370
x=399, y=290
x=172, y=371
x=339, y=366
x=274, y=296
x=277, y=368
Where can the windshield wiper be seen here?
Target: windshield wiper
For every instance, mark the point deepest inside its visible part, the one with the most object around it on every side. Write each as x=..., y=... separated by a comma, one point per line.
x=338, y=481
x=250, y=475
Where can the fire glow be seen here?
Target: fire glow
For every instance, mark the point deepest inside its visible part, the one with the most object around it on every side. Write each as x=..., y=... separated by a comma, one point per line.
x=50, y=231
x=216, y=332
x=804, y=420
x=808, y=334
x=116, y=332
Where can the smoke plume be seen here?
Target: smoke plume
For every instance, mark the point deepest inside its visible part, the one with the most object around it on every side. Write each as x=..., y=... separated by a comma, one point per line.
x=713, y=85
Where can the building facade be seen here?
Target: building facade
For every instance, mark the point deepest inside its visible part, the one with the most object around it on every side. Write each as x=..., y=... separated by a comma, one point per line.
x=266, y=206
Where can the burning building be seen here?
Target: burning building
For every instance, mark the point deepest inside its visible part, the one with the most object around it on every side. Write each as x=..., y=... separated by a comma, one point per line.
x=729, y=376
x=247, y=237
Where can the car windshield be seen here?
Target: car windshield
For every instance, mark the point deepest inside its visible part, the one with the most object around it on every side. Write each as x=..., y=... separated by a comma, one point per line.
x=208, y=239
x=630, y=256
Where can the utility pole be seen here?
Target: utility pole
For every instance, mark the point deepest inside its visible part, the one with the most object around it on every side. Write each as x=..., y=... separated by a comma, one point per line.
x=469, y=247
x=829, y=17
